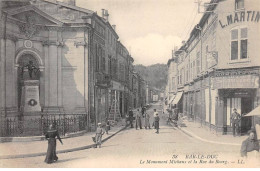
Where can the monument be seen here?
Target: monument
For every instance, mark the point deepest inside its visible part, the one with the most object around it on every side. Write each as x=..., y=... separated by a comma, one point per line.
x=30, y=96
x=30, y=99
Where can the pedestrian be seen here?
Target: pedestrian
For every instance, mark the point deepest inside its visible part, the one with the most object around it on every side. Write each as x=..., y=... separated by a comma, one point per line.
x=147, y=120
x=249, y=145
x=131, y=117
x=143, y=110
x=175, y=117
x=154, y=115
x=138, y=119
x=235, y=121
x=98, y=138
x=51, y=135
x=156, y=123
x=107, y=126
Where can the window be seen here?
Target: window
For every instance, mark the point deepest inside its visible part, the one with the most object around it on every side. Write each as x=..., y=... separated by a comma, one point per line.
x=198, y=62
x=103, y=61
x=194, y=68
x=187, y=73
x=243, y=45
x=109, y=65
x=182, y=76
x=234, y=44
x=97, y=57
x=239, y=44
x=239, y=4
x=191, y=70
x=173, y=83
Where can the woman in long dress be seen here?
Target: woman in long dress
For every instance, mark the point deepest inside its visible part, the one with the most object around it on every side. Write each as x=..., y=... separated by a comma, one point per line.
x=51, y=135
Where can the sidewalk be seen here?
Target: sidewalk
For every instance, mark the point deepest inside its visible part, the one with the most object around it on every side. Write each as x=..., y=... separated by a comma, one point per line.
x=203, y=133
x=39, y=148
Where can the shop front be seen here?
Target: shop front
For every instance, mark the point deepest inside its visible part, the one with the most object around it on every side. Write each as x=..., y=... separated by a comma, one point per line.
x=243, y=101
x=237, y=89
x=116, y=101
x=178, y=101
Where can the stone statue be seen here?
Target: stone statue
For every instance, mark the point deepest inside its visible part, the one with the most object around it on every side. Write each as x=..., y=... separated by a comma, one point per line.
x=31, y=69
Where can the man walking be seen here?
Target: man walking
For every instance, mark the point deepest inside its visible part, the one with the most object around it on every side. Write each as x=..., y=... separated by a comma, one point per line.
x=154, y=115
x=131, y=117
x=147, y=120
x=138, y=121
x=156, y=123
x=235, y=120
x=143, y=110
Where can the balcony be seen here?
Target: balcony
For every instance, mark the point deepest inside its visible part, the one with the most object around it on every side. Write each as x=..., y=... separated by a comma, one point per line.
x=103, y=80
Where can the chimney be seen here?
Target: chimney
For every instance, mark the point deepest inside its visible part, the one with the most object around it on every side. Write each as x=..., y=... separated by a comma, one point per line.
x=106, y=15
x=103, y=13
x=114, y=27
x=69, y=2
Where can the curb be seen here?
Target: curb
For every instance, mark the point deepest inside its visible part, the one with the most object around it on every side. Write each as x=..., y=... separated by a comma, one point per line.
x=61, y=151
x=201, y=139
x=38, y=138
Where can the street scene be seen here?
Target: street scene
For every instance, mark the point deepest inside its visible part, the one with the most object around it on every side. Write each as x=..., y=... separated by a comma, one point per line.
x=145, y=148
x=129, y=84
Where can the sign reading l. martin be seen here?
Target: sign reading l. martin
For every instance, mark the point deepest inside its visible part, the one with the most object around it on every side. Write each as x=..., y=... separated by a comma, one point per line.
x=253, y=16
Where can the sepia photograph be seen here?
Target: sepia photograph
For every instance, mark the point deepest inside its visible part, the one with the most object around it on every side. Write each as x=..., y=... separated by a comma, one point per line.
x=129, y=84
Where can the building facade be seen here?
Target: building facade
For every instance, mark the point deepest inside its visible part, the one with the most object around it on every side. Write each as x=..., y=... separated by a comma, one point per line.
x=218, y=66
x=59, y=59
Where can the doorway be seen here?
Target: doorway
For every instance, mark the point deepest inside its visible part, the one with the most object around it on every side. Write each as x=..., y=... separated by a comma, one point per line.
x=246, y=107
x=121, y=103
x=243, y=105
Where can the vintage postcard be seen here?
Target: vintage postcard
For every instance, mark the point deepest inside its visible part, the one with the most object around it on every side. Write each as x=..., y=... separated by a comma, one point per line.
x=129, y=83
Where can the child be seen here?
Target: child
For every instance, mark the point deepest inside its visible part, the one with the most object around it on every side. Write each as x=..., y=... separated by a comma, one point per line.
x=99, y=133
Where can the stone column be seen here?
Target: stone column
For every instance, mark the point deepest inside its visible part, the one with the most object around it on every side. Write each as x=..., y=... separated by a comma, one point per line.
x=53, y=77
x=10, y=80
x=59, y=62
x=86, y=71
x=46, y=75
x=51, y=54
x=2, y=77
x=42, y=86
x=81, y=74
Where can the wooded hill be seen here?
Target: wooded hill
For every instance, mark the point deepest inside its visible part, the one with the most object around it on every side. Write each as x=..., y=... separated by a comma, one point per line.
x=155, y=75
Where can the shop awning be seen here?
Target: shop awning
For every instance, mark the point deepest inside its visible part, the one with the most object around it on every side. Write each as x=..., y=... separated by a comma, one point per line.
x=177, y=97
x=254, y=112
x=171, y=99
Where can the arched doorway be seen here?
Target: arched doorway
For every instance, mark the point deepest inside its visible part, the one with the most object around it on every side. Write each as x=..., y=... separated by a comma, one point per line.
x=27, y=69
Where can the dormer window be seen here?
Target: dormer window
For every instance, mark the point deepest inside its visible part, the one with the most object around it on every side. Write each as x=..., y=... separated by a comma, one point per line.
x=239, y=4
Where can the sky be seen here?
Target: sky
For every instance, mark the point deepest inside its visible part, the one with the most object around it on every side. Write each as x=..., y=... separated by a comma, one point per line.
x=149, y=29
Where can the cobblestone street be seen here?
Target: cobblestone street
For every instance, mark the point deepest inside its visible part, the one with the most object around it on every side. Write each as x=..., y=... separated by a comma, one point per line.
x=143, y=148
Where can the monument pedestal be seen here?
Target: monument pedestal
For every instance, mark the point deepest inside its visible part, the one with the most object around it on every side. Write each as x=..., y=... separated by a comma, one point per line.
x=30, y=97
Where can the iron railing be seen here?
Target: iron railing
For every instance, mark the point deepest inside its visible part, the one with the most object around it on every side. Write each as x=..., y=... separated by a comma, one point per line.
x=65, y=123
